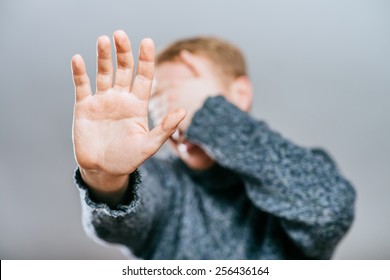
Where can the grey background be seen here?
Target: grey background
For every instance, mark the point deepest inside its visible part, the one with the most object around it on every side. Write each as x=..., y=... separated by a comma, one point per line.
x=321, y=76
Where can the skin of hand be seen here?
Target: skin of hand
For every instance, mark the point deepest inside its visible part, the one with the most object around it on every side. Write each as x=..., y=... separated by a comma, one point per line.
x=111, y=137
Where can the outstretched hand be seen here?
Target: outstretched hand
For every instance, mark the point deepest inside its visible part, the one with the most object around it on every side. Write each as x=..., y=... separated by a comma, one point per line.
x=111, y=136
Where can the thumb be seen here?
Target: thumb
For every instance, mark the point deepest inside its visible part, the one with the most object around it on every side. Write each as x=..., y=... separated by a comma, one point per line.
x=167, y=127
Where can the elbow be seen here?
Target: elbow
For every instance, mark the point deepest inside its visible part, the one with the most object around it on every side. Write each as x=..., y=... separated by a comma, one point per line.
x=341, y=209
x=337, y=216
x=334, y=220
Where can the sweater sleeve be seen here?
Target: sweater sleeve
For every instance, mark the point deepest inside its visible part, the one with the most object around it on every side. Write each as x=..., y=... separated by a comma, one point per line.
x=301, y=187
x=135, y=222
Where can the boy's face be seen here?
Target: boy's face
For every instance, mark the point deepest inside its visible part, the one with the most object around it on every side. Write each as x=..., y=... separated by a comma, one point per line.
x=184, y=85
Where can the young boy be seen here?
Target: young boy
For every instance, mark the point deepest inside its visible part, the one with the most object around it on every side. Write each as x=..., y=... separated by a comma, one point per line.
x=235, y=189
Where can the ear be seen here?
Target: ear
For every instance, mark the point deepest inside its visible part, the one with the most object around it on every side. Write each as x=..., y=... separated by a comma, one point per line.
x=240, y=93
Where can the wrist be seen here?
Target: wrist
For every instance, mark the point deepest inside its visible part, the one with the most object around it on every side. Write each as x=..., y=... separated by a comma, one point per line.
x=105, y=187
x=104, y=183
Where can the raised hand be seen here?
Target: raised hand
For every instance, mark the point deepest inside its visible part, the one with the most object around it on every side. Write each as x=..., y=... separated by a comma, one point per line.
x=111, y=136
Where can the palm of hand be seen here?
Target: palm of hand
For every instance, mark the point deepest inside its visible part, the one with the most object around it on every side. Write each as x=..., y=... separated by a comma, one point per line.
x=104, y=125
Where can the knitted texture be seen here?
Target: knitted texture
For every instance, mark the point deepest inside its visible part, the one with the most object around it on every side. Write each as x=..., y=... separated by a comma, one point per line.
x=267, y=198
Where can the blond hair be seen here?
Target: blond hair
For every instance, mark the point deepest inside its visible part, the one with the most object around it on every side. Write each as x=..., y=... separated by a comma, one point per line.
x=227, y=59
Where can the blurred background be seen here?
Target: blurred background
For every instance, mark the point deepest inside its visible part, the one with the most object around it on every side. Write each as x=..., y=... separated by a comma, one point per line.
x=321, y=76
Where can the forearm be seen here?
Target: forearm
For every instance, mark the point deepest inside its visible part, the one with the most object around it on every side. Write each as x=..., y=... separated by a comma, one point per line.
x=299, y=186
x=276, y=169
x=234, y=139
x=146, y=201
x=125, y=223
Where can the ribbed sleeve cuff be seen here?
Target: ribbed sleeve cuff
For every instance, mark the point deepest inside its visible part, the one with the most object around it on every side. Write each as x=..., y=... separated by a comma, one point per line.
x=130, y=203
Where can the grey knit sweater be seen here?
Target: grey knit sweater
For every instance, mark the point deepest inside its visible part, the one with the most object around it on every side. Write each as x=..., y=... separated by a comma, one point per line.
x=267, y=198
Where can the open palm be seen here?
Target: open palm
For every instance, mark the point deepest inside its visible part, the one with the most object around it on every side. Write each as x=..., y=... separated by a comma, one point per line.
x=110, y=128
